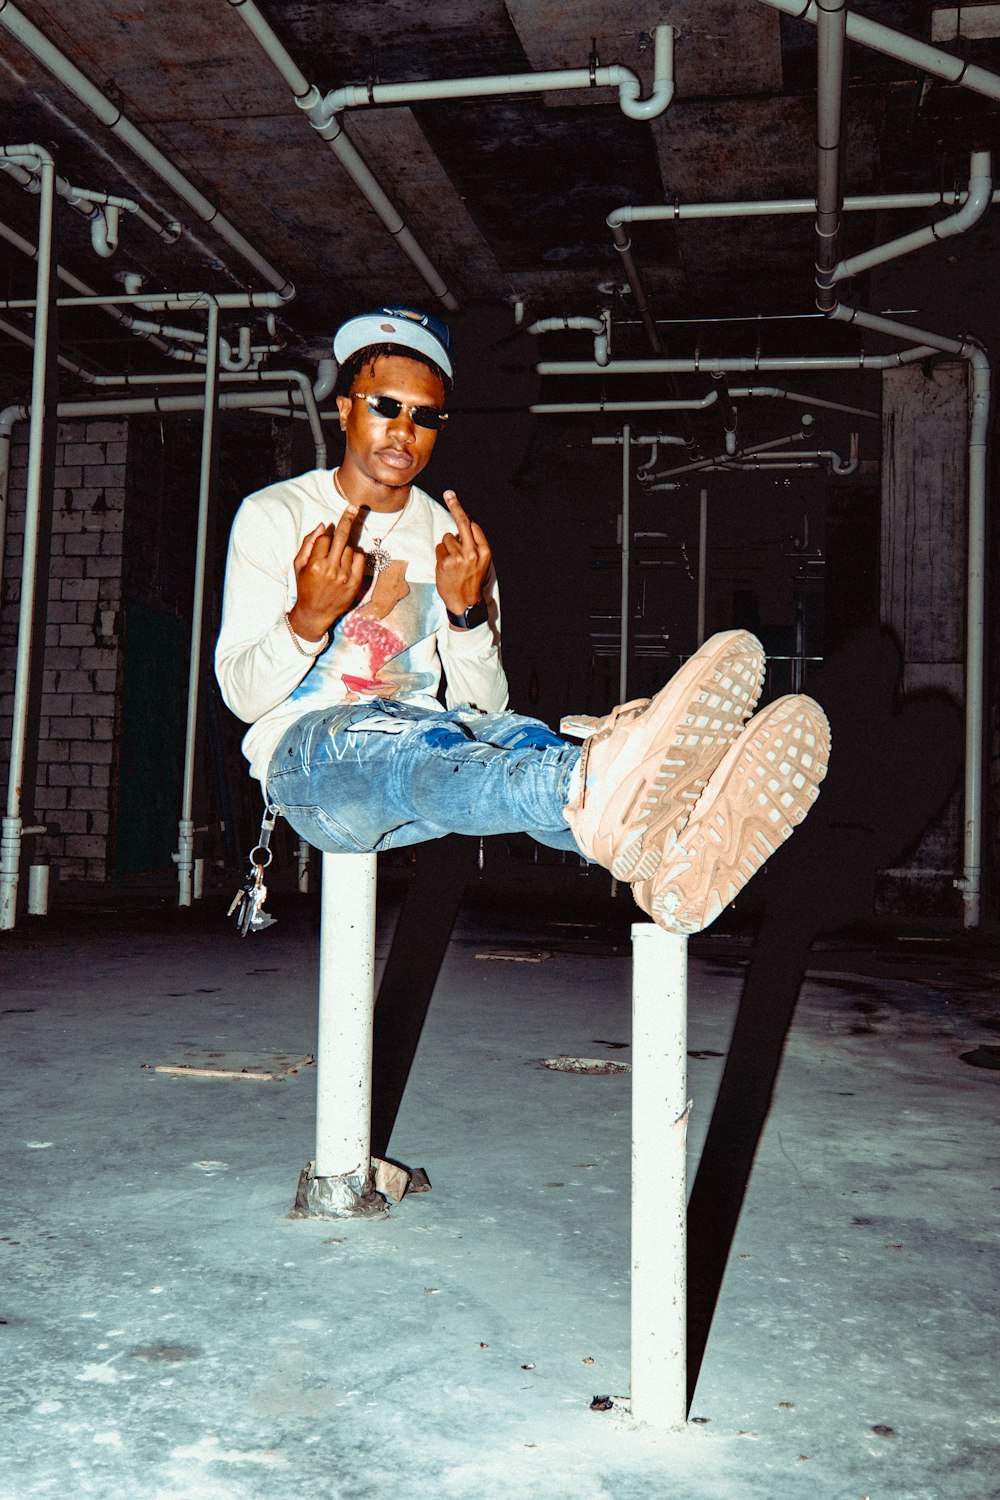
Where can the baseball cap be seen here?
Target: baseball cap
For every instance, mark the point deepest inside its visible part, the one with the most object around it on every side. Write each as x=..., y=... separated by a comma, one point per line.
x=407, y=326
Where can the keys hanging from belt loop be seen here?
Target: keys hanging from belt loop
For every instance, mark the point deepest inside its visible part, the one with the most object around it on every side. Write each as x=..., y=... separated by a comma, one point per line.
x=247, y=908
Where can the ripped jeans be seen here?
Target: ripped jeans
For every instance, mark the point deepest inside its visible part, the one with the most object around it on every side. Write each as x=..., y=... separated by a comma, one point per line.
x=371, y=776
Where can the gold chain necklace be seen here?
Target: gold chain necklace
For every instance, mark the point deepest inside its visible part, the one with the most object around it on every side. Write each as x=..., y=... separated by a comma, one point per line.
x=377, y=559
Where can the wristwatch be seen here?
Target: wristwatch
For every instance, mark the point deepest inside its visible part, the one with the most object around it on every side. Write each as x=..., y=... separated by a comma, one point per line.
x=476, y=614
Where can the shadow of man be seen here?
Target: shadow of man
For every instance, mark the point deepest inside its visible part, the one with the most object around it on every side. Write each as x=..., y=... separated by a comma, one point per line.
x=893, y=764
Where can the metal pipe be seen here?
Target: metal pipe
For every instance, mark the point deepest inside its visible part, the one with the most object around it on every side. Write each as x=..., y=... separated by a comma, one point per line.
x=366, y=95
x=599, y=327
x=153, y=302
x=977, y=201
x=754, y=208
x=780, y=394
x=614, y=440
x=927, y=59
x=111, y=116
x=660, y=1111
x=626, y=563
x=556, y=408
x=30, y=250
x=831, y=43
x=10, y=834
x=310, y=101
x=87, y=201
x=975, y=637
x=303, y=856
x=740, y=365
x=185, y=846
x=702, y=561
x=623, y=245
x=720, y=460
x=970, y=882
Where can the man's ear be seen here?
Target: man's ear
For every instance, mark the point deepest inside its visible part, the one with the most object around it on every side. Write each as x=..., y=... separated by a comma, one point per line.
x=344, y=407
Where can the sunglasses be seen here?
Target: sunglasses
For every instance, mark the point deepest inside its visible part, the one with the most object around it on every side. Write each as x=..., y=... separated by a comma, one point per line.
x=388, y=408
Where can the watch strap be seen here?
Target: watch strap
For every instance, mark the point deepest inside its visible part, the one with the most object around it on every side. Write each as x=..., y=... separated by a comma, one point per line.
x=476, y=614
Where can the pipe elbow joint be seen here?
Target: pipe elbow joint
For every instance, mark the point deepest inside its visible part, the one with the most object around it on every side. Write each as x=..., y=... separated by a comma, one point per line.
x=630, y=98
x=104, y=224
x=629, y=90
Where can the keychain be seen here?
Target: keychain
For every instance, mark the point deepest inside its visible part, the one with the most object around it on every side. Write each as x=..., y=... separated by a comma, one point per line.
x=247, y=908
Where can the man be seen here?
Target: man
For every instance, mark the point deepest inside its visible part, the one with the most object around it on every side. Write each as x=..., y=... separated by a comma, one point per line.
x=349, y=594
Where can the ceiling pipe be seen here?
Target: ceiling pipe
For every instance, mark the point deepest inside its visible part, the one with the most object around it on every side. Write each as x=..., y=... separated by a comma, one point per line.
x=365, y=95
x=623, y=244
x=599, y=327
x=156, y=301
x=778, y=393
x=111, y=116
x=309, y=99
x=557, y=408
x=104, y=226
x=37, y=159
x=737, y=364
x=755, y=208
x=280, y=403
x=970, y=882
x=87, y=202
x=30, y=250
x=831, y=45
x=975, y=204
x=815, y=459
x=926, y=59
x=721, y=458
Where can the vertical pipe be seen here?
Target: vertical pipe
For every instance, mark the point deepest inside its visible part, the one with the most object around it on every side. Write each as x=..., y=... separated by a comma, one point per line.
x=659, y=1178
x=38, y=890
x=626, y=562
x=975, y=649
x=303, y=856
x=10, y=837
x=831, y=44
x=185, y=846
x=702, y=561
x=346, y=1016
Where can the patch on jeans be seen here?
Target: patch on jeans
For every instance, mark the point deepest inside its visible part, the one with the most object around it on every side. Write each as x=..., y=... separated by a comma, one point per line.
x=378, y=723
x=443, y=736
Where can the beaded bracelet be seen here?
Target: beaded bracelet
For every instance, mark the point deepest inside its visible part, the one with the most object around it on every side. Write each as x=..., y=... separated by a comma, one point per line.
x=324, y=641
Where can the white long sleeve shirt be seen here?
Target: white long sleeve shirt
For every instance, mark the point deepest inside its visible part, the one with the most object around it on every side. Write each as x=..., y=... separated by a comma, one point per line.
x=394, y=643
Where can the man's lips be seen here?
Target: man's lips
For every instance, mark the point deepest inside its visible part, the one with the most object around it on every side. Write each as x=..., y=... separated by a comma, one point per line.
x=395, y=458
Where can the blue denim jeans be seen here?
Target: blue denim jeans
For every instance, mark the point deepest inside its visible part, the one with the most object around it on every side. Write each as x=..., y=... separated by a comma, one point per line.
x=378, y=775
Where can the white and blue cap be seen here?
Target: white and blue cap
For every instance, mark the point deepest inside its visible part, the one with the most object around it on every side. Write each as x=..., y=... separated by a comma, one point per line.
x=406, y=326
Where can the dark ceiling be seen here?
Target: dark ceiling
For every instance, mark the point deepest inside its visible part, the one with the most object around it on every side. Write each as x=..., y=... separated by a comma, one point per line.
x=508, y=197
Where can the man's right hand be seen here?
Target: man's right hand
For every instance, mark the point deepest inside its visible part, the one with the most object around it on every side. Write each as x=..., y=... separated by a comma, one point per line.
x=329, y=574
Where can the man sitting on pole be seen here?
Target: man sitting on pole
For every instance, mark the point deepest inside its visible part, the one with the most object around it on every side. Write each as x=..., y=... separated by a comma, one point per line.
x=349, y=595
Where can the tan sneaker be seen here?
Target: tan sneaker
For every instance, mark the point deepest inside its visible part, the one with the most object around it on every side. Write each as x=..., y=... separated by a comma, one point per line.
x=763, y=787
x=642, y=773
x=582, y=726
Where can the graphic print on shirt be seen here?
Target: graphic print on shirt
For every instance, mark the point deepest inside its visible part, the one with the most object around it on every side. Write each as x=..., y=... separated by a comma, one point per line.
x=369, y=646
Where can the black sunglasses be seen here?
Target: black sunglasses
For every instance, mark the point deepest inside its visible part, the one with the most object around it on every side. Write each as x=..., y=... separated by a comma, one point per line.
x=388, y=408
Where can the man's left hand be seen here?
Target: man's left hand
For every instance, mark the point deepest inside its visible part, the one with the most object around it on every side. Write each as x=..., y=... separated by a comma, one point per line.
x=463, y=560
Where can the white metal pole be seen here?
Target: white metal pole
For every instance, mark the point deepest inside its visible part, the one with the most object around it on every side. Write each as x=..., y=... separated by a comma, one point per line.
x=702, y=560
x=303, y=856
x=659, y=1178
x=346, y=1017
x=185, y=842
x=626, y=562
x=10, y=838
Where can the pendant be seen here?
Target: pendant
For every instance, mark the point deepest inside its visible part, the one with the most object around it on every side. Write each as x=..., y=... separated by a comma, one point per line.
x=377, y=558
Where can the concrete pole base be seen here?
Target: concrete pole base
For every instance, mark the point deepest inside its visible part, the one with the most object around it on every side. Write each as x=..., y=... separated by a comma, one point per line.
x=351, y=1195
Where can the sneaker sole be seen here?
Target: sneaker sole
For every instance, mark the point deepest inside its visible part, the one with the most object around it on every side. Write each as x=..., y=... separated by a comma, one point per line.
x=762, y=790
x=705, y=705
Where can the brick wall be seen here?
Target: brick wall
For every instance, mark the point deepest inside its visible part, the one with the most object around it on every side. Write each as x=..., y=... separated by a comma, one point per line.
x=82, y=662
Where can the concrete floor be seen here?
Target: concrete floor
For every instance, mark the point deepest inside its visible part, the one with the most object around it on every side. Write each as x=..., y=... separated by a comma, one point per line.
x=168, y=1333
